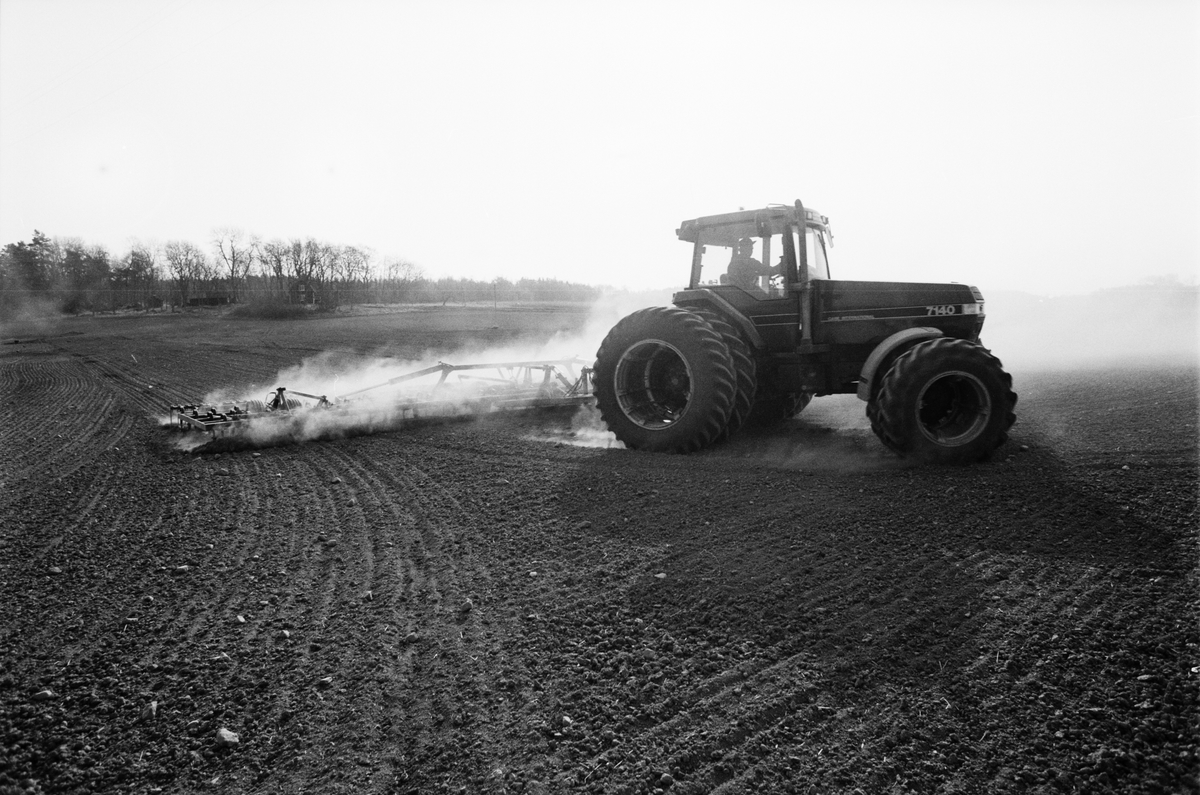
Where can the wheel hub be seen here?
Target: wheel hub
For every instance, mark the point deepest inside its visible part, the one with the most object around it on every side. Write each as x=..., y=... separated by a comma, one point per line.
x=653, y=384
x=953, y=408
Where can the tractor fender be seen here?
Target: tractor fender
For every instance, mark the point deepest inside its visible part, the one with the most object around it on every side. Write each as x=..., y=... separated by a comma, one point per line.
x=731, y=315
x=899, y=341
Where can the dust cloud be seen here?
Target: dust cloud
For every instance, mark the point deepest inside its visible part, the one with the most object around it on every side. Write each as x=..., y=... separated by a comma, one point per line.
x=1144, y=325
x=831, y=434
x=32, y=317
x=364, y=402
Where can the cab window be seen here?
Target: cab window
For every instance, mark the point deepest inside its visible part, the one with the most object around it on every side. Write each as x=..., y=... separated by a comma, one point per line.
x=750, y=264
x=818, y=264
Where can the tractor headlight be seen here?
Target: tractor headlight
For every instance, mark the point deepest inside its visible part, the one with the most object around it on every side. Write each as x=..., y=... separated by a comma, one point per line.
x=973, y=309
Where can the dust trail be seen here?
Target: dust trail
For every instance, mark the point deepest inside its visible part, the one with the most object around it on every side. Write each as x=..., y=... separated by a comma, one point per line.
x=33, y=317
x=585, y=429
x=832, y=434
x=350, y=411
x=364, y=402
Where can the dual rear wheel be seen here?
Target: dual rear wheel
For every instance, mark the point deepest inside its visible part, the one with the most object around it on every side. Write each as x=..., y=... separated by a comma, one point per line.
x=665, y=381
x=678, y=380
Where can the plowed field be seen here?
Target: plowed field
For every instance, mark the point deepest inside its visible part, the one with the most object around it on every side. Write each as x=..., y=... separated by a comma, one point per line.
x=509, y=605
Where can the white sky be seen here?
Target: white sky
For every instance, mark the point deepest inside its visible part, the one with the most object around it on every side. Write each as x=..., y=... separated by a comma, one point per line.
x=1046, y=146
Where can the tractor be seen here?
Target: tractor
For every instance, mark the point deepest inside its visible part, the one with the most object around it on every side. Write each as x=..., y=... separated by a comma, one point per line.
x=751, y=342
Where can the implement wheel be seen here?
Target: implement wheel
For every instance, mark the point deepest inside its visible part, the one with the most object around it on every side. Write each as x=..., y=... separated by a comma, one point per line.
x=664, y=381
x=945, y=401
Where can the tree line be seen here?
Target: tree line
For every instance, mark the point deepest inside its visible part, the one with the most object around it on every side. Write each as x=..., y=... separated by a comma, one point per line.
x=72, y=276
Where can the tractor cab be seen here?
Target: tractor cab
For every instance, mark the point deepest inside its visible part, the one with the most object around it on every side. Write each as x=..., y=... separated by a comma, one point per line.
x=758, y=252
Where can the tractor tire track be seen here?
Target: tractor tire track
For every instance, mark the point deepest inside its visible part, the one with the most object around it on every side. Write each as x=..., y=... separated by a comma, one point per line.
x=441, y=606
x=55, y=418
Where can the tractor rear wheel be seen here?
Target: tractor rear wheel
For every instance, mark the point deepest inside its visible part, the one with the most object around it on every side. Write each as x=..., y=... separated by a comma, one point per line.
x=744, y=371
x=945, y=401
x=664, y=381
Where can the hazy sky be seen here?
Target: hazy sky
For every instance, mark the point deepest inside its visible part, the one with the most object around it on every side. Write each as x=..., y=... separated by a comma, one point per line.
x=1046, y=146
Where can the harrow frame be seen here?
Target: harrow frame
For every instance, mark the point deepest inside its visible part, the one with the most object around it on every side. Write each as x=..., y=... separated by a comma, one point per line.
x=513, y=387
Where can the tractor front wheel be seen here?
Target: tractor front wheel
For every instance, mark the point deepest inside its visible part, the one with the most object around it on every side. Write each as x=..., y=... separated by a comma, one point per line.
x=945, y=401
x=664, y=381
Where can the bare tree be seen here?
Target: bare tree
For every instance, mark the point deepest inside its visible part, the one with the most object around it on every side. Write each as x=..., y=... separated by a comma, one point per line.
x=300, y=268
x=309, y=264
x=349, y=268
x=273, y=262
x=236, y=253
x=188, y=265
x=399, y=278
x=320, y=258
x=358, y=264
x=339, y=268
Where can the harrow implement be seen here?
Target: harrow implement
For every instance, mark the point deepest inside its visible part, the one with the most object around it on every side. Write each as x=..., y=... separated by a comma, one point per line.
x=478, y=389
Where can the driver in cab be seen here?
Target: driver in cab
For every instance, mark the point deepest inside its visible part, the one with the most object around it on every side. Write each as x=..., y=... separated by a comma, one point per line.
x=745, y=271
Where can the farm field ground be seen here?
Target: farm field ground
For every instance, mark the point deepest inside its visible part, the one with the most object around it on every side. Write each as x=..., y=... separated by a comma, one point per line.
x=514, y=605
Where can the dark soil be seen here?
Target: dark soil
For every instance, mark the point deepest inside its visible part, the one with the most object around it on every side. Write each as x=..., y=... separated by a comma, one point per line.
x=492, y=606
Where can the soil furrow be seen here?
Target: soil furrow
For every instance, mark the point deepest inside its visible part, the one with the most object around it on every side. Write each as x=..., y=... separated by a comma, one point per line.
x=794, y=611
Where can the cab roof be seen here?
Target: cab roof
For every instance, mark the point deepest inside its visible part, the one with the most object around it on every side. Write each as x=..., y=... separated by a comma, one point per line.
x=727, y=229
